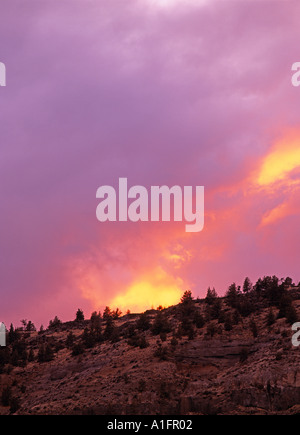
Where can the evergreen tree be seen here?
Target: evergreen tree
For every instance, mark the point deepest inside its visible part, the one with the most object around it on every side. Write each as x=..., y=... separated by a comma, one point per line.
x=215, y=309
x=41, y=353
x=116, y=314
x=228, y=322
x=70, y=340
x=236, y=318
x=284, y=306
x=211, y=296
x=187, y=297
x=247, y=286
x=109, y=328
x=13, y=335
x=88, y=338
x=54, y=323
x=232, y=295
x=160, y=324
x=107, y=313
x=49, y=354
x=79, y=316
x=30, y=327
x=96, y=326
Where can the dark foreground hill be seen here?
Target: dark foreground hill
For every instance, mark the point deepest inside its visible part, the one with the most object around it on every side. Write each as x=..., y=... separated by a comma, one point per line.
x=231, y=355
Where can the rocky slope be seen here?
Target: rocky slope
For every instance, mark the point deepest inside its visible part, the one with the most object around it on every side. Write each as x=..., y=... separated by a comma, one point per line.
x=211, y=371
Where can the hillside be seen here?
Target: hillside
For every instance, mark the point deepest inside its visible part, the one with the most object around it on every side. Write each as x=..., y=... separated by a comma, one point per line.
x=230, y=355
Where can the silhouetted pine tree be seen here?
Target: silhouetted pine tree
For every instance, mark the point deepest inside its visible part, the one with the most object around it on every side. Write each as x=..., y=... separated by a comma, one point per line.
x=88, y=339
x=79, y=316
x=211, y=296
x=247, y=286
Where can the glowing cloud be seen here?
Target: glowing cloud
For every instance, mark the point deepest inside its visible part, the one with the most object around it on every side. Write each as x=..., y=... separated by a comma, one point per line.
x=280, y=162
x=277, y=176
x=158, y=288
x=275, y=214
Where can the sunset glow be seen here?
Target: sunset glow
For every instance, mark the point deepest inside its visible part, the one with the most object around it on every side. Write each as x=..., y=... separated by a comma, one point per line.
x=151, y=291
x=280, y=162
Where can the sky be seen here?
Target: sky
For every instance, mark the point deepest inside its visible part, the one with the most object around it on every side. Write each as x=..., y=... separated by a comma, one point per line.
x=163, y=92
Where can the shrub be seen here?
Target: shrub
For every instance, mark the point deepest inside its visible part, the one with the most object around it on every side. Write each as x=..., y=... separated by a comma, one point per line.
x=291, y=315
x=270, y=317
x=211, y=330
x=45, y=353
x=115, y=335
x=161, y=352
x=78, y=349
x=143, y=322
x=143, y=343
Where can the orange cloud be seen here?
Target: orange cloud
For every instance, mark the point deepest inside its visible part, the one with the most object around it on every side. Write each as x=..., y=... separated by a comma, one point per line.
x=128, y=276
x=277, y=176
x=152, y=265
x=278, y=165
x=154, y=289
x=276, y=213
